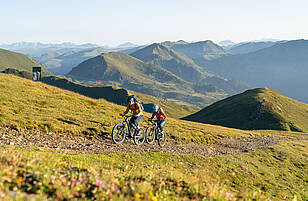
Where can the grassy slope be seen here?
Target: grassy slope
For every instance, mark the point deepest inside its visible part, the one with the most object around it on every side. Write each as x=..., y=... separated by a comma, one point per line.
x=40, y=106
x=18, y=61
x=112, y=94
x=118, y=67
x=278, y=173
x=119, y=96
x=241, y=111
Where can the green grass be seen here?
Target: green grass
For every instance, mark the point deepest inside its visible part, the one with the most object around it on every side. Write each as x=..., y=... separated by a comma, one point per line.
x=277, y=173
x=112, y=94
x=33, y=105
x=18, y=61
x=275, y=112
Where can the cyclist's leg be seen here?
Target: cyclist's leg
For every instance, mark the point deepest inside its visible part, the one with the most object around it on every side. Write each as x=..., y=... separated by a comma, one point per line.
x=161, y=124
x=138, y=119
x=132, y=123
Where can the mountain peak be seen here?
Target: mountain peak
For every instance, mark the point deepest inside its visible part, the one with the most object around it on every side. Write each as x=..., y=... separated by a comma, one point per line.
x=127, y=45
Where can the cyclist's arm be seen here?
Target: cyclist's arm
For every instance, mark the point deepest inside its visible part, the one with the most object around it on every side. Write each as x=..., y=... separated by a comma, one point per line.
x=162, y=113
x=138, y=110
x=152, y=115
x=127, y=110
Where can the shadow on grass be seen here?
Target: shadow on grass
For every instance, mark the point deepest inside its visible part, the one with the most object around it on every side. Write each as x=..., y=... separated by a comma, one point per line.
x=68, y=122
x=102, y=124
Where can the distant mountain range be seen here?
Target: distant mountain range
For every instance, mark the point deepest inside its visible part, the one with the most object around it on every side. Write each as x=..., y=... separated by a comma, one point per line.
x=62, y=61
x=226, y=43
x=200, y=52
x=127, y=45
x=122, y=70
x=243, y=48
x=203, y=67
x=282, y=67
x=69, y=45
x=157, y=70
x=26, y=45
x=61, y=58
x=260, y=108
x=171, y=60
x=202, y=49
x=184, y=67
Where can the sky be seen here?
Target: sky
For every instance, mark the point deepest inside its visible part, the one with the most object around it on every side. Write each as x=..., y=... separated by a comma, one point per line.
x=113, y=22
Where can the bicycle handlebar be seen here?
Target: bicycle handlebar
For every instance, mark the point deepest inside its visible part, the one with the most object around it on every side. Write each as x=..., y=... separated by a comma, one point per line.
x=122, y=115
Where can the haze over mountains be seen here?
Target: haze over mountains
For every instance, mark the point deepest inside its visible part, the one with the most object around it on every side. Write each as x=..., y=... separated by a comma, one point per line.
x=62, y=61
x=62, y=57
x=70, y=45
x=200, y=52
x=248, y=47
x=283, y=67
x=205, y=68
x=184, y=67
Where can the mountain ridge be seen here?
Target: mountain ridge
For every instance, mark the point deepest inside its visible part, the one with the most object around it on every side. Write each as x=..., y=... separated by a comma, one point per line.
x=281, y=67
x=260, y=108
x=122, y=70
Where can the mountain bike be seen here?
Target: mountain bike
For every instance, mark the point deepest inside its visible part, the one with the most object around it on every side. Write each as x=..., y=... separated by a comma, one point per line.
x=153, y=133
x=126, y=130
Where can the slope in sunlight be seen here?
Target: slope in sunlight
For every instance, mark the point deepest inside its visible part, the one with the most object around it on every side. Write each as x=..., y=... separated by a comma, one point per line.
x=260, y=108
x=26, y=104
x=9, y=59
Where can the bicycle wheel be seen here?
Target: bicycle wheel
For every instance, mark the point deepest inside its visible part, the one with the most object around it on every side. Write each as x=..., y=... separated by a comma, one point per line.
x=139, y=138
x=150, y=135
x=118, y=133
x=162, y=138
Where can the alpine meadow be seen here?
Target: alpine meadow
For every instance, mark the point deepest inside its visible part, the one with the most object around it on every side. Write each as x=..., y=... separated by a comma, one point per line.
x=155, y=101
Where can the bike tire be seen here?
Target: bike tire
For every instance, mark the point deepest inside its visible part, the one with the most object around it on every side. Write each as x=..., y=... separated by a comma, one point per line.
x=115, y=133
x=162, y=139
x=150, y=135
x=139, y=139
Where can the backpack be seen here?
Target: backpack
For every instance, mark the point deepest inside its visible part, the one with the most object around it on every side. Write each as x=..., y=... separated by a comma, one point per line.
x=141, y=106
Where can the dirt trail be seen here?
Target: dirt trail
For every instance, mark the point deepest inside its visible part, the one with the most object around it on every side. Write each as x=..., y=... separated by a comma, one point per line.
x=104, y=145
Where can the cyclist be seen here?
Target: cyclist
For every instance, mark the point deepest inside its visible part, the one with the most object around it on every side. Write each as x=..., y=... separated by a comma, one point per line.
x=135, y=107
x=160, y=116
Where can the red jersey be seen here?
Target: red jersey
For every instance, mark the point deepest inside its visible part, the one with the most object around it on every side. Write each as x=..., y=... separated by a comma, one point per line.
x=160, y=115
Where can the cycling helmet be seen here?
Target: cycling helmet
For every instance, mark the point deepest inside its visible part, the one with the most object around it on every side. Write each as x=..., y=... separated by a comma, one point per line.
x=155, y=107
x=130, y=98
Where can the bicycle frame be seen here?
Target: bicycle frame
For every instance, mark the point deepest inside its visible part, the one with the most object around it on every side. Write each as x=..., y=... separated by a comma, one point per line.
x=126, y=121
x=155, y=126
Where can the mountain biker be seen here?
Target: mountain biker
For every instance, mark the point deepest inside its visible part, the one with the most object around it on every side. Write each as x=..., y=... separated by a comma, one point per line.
x=160, y=116
x=135, y=107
